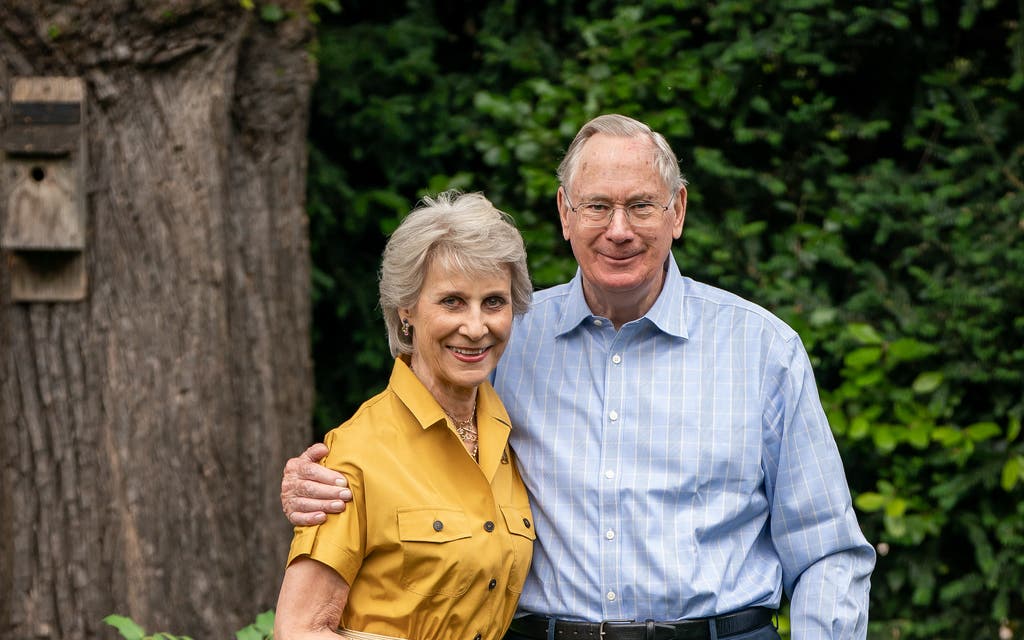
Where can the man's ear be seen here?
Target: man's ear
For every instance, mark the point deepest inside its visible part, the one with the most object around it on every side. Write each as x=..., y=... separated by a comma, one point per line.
x=563, y=212
x=679, y=212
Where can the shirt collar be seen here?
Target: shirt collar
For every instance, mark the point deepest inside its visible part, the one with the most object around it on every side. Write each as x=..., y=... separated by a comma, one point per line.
x=667, y=312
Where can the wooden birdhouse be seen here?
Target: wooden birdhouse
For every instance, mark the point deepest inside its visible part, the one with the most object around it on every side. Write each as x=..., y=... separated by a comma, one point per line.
x=42, y=189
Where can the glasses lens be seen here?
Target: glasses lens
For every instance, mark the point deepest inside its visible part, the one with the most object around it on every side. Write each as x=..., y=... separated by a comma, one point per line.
x=643, y=213
x=638, y=214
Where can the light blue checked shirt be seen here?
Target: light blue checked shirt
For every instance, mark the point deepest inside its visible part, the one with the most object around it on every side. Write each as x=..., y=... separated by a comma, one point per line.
x=680, y=467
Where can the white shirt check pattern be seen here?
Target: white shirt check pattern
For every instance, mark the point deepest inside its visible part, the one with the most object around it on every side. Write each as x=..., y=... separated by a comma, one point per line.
x=681, y=467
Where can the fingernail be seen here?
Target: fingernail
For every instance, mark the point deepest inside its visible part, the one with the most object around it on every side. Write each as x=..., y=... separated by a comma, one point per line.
x=341, y=482
x=337, y=505
x=345, y=494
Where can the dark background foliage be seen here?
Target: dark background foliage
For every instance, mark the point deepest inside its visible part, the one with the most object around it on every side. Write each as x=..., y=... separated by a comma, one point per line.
x=857, y=167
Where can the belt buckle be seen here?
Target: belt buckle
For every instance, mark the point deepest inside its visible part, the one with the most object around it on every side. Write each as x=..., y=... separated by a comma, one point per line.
x=601, y=631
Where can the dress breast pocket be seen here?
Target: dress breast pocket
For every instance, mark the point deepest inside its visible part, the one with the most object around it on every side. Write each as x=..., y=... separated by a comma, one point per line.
x=520, y=525
x=436, y=553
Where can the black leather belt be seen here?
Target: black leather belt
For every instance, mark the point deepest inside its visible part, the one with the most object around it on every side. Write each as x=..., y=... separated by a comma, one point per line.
x=536, y=627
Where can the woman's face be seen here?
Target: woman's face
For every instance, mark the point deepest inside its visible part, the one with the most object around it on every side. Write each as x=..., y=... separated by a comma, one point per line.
x=460, y=325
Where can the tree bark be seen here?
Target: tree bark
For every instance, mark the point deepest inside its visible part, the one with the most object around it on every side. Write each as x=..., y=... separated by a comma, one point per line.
x=143, y=430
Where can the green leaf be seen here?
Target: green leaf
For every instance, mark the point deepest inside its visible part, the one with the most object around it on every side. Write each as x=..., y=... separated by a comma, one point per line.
x=896, y=507
x=928, y=382
x=859, y=427
x=885, y=439
x=1013, y=430
x=948, y=437
x=908, y=350
x=265, y=621
x=1013, y=472
x=126, y=626
x=870, y=501
x=862, y=357
x=249, y=633
x=980, y=431
x=864, y=333
x=271, y=13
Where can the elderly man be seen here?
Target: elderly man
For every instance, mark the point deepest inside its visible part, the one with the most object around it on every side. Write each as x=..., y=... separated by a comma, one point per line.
x=682, y=472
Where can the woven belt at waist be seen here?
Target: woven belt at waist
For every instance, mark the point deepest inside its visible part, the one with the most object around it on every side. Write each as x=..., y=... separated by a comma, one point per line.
x=536, y=627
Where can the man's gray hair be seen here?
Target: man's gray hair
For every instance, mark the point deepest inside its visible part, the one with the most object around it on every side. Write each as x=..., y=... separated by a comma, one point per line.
x=613, y=124
x=466, y=233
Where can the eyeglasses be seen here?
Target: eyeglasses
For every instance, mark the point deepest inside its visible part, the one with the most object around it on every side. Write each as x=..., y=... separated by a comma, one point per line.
x=640, y=213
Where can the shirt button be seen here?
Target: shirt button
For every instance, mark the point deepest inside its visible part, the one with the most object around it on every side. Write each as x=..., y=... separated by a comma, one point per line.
x=609, y=474
x=438, y=525
x=490, y=585
x=609, y=534
x=598, y=322
x=478, y=637
x=610, y=595
x=616, y=358
x=613, y=415
x=488, y=526
x=526, y=523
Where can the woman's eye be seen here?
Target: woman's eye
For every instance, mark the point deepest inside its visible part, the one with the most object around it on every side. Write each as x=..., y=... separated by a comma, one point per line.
x=450, y=301
x=495, y=302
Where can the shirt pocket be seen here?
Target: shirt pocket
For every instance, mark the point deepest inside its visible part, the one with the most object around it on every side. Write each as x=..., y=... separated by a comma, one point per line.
x=520, y=525
x=435, y=545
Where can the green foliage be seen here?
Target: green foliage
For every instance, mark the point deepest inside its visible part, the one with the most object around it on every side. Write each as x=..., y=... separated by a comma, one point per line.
x=261, y=629
x=856, y=167
x=272, y=13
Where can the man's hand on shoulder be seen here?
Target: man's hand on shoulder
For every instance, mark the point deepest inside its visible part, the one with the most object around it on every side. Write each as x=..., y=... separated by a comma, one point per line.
x=310, y=491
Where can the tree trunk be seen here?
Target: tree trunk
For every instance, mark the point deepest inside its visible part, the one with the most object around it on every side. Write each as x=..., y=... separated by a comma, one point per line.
x=143, y=429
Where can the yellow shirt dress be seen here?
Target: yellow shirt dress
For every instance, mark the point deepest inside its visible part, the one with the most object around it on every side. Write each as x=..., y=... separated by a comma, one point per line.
x=434, y=545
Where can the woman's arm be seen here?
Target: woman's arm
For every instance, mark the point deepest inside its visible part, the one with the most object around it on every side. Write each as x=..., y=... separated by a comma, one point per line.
x=312, y=598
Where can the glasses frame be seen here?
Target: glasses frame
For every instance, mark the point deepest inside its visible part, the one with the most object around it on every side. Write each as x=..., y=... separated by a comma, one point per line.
x=590, y=224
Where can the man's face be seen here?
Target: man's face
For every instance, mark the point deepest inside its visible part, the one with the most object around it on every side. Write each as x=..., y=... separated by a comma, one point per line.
x=622, y=264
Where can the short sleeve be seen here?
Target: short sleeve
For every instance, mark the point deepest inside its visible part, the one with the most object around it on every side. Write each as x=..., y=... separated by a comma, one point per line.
x=339, y=542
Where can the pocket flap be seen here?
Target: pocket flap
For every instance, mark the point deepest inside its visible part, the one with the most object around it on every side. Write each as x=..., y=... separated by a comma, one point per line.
x=432, y=524
x=519, y=522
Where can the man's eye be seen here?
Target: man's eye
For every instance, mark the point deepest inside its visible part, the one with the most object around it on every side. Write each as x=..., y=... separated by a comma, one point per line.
x=596, y=207
x=642, y=208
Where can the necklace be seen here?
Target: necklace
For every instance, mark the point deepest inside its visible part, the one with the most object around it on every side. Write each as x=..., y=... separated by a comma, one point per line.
x=466, y=430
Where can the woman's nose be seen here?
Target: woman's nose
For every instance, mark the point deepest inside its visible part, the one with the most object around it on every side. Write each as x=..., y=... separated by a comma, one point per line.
x=473, y=326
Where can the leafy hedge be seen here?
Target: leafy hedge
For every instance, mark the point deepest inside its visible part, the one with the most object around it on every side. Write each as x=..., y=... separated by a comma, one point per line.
x=857, y=167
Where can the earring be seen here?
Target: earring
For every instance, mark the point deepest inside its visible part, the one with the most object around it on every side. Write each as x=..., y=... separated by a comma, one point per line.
x=405, y=326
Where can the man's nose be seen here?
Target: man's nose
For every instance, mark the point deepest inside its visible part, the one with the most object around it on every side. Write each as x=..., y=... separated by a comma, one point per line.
x=619, y=227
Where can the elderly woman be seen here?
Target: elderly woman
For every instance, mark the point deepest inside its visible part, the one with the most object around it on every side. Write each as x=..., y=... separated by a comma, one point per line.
x=446, y=546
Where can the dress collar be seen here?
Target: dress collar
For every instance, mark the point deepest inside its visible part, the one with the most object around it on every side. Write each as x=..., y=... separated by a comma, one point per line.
x=493, y=423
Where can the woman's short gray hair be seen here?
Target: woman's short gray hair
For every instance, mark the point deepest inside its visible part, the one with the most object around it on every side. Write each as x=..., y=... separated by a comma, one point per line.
x=613, y=124
x=467, y=233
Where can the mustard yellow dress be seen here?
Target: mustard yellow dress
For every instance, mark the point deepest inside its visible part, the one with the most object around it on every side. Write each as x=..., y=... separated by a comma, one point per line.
x=434, y=545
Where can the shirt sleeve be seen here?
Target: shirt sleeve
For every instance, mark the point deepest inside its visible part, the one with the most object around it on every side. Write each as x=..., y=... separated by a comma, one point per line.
x=340, y=541
x=826, y=560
